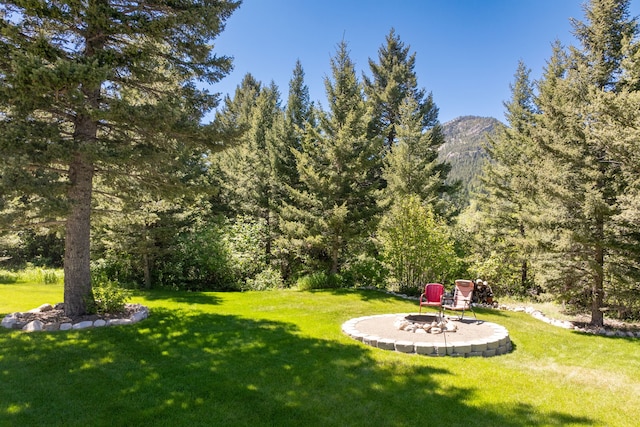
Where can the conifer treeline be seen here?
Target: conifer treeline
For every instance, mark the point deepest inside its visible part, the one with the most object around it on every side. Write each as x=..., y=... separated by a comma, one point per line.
x=321, y=179
x=562, y=196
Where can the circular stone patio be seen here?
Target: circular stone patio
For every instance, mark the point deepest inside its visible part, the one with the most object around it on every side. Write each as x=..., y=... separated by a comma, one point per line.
x=472, y=338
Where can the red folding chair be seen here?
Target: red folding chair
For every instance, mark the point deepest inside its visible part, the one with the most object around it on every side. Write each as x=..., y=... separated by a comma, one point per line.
x=432, y=296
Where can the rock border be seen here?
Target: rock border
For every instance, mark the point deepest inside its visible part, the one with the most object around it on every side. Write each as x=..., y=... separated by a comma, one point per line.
x=566, y=324
x=497, y=344
x=12, y=321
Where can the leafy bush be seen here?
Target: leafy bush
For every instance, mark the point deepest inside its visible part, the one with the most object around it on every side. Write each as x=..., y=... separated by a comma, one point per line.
x=7, y=277
x=245, y=240
x=119, y=270
x=417, y=247
x=43, y=247
x=200, y=261
x=268, y=278
x=109, y=297
x=319, y=280
x=365, y=271
x=218, y=255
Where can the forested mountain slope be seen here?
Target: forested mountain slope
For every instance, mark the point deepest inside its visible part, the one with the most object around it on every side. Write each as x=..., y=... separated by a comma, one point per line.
x=464, y=150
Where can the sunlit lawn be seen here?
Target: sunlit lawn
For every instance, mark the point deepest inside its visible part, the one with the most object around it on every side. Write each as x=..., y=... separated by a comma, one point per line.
x=279, y=358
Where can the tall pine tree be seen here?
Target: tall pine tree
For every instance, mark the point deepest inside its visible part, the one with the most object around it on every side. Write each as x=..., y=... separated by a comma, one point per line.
x=509, y=183
x=99, y=87
x=583, y=175
x=405, y=117
x=412, y=168
x=249, y=170
x=393, y=81
x=335, y=210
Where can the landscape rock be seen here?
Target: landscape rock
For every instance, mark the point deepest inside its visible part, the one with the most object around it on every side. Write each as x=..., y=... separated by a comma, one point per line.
x=603, y=331
x=83, y=325
x=45, y=307
x=115, y=322
x=450, y=327
x=35, y=325
x=9, y=320
x=139, y=315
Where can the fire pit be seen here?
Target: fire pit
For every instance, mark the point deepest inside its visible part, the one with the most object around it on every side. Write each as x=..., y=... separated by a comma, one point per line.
x=424, y=323
x=416, y=333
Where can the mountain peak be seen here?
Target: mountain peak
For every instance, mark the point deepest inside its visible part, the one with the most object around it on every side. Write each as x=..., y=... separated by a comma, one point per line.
x=464, y=150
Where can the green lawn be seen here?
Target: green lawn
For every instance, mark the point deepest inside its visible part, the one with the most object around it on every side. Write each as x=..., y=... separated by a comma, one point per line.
x=279, y=358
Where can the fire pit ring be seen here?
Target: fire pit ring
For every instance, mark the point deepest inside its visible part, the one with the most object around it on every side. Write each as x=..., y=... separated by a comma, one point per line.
x=471, y=338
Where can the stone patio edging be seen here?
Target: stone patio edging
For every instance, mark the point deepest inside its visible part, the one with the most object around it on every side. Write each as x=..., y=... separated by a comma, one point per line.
x=497, y=344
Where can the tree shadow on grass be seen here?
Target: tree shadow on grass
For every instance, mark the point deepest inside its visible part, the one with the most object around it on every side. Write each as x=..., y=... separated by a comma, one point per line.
x=365, y=294
x=180, y=296
x=210, y=369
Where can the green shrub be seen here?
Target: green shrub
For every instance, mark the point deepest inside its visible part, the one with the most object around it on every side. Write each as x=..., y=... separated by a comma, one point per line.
x=408, y=289
x=7, y=277
x=365, y=271
x=319, y=280
x=108, y=297
x=220, y=256
x=268, y=278
x=417, y=246
x=245, y=239
x=50, y=277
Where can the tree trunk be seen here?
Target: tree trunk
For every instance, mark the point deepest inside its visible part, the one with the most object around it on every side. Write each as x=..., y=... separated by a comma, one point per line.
x=147, y=256
x=335, y=254
x=146, y=270
x=597, y=291
x=77, y=273
x=77, y=250
x=268, y=243
x=524, y=268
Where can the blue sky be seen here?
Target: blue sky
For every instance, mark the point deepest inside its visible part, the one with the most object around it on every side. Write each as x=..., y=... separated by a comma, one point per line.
x=467, y=51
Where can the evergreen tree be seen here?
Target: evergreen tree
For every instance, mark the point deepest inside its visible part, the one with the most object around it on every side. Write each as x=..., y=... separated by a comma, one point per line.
x=228, y=168
x=100, y=87
x=335, y=208
x=297, y=117
x=394, y=80
x=413, y=168
x=509, y=183
x=583, y=179
x=132, y=244
x=288, y=134
x=404, y=116
x=248, y=171
x=619, y=124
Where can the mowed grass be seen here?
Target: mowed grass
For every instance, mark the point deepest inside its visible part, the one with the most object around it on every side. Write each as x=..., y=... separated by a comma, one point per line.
x=280, y=359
